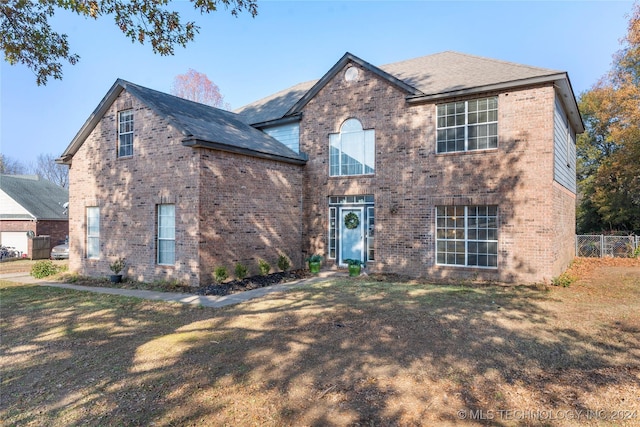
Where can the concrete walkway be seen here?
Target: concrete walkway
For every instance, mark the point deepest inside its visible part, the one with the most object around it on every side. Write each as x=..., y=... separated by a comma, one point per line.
x=206, y=301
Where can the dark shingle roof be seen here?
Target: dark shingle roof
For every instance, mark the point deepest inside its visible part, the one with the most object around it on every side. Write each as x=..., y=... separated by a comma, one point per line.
x=201, y=125
x=439, y=75
x=41, y=198
x=451, y=71
x=199, y=122
x=274, y=106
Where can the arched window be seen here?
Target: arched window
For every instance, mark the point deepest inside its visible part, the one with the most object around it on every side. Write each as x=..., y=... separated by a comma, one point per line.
x=352, y=151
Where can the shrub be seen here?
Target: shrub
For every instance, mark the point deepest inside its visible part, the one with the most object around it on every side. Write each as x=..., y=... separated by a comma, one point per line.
x=264, y=267
x=283, y=262
x=118, y=265
x=565, y=280
x=220, y=274
x=241, y=271
x=314, y=258
x=43, y=269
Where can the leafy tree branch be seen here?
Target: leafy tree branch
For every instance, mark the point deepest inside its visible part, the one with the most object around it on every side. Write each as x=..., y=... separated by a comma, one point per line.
x=27, y=37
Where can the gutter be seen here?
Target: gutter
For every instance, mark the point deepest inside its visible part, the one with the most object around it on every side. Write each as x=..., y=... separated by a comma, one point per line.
x=416, y=99
x=198, y=143
x=275, y=122
x=560, y=81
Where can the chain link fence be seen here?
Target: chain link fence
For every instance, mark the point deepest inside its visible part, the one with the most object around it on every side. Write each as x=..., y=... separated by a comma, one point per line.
x=606, y=246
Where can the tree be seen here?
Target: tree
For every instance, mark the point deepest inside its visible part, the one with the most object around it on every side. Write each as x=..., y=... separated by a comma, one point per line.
x=197, y=87
x=48, y=169
x=9, y=166
x=27, y=37
x=609, y=150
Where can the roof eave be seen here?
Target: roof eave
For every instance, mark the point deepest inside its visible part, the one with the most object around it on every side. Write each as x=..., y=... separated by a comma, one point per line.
x=198, y=143
x=91, y=122
x=346, y=58
x=560, y=80
x=415, y=99
x=17, y=217
x=276, y=122
x=570, y=103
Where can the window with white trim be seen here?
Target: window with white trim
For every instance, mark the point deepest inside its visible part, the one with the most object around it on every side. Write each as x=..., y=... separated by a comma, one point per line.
x=125, y=133
x=467, y=236
x=467, y=125
x=166, y=234
x=352, y=151
x=93, y=232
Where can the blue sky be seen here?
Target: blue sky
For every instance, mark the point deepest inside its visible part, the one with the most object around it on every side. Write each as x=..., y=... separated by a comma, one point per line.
x=292, y=42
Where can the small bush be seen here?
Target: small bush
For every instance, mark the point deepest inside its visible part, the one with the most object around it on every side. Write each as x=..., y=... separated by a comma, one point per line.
x=241, y=271
x=264, y=267
x=283, y=262
x=43, y=269
x=118, y=265
x=565, y=280
x=314, y=258
x=220, y=274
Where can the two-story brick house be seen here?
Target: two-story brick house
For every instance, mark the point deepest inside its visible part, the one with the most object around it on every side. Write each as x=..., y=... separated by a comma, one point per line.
x=445, y=166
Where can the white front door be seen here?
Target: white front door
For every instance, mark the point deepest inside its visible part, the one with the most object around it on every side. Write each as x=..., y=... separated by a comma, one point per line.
x=351, y=234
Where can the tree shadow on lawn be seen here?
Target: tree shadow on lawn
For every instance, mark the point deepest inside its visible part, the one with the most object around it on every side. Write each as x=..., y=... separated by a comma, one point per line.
x=343, y=352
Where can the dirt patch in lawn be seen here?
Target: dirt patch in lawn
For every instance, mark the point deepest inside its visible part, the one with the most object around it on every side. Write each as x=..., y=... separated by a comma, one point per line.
x=340, y=352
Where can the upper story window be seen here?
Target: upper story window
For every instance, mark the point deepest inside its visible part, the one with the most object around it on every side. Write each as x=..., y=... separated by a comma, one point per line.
x=468, y=125
x=352, y=151
x=125, y=133
x=288, y=134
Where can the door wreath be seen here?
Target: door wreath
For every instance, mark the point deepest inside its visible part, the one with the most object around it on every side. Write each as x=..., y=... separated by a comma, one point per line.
x=351, y=221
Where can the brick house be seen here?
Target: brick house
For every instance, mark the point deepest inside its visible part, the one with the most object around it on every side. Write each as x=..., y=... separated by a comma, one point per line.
x=447, y=166
x=31, y=204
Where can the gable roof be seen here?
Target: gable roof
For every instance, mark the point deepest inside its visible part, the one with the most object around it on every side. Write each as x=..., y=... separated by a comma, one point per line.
x=433, y=77
x=201, y=125
x=43, y=199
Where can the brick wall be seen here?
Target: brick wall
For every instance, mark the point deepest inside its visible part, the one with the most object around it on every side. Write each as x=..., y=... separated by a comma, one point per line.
x=232, y=208
x=56, y=230
x=229, y=208
x=128, y=190
x=250, y=209
x=564, y=211
x=411, y=179
x=12, y=225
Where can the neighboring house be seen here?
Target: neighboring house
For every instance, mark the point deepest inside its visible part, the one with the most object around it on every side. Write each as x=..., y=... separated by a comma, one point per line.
x=447, y=166
x=31, y=204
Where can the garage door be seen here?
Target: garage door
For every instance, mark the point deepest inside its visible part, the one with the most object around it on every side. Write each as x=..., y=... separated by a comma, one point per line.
x=15, y=239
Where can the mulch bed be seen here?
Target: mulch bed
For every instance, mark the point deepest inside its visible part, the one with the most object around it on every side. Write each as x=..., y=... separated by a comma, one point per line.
x=253, y=282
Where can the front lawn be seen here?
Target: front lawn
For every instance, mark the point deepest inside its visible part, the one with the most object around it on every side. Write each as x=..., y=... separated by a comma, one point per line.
x=340, y=352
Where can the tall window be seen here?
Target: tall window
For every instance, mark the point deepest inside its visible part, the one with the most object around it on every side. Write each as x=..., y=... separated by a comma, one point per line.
x=468, y=125
x=166, y=234
x=93, y=232
x=352, y=151
x=467, y=236
x=125, y=133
